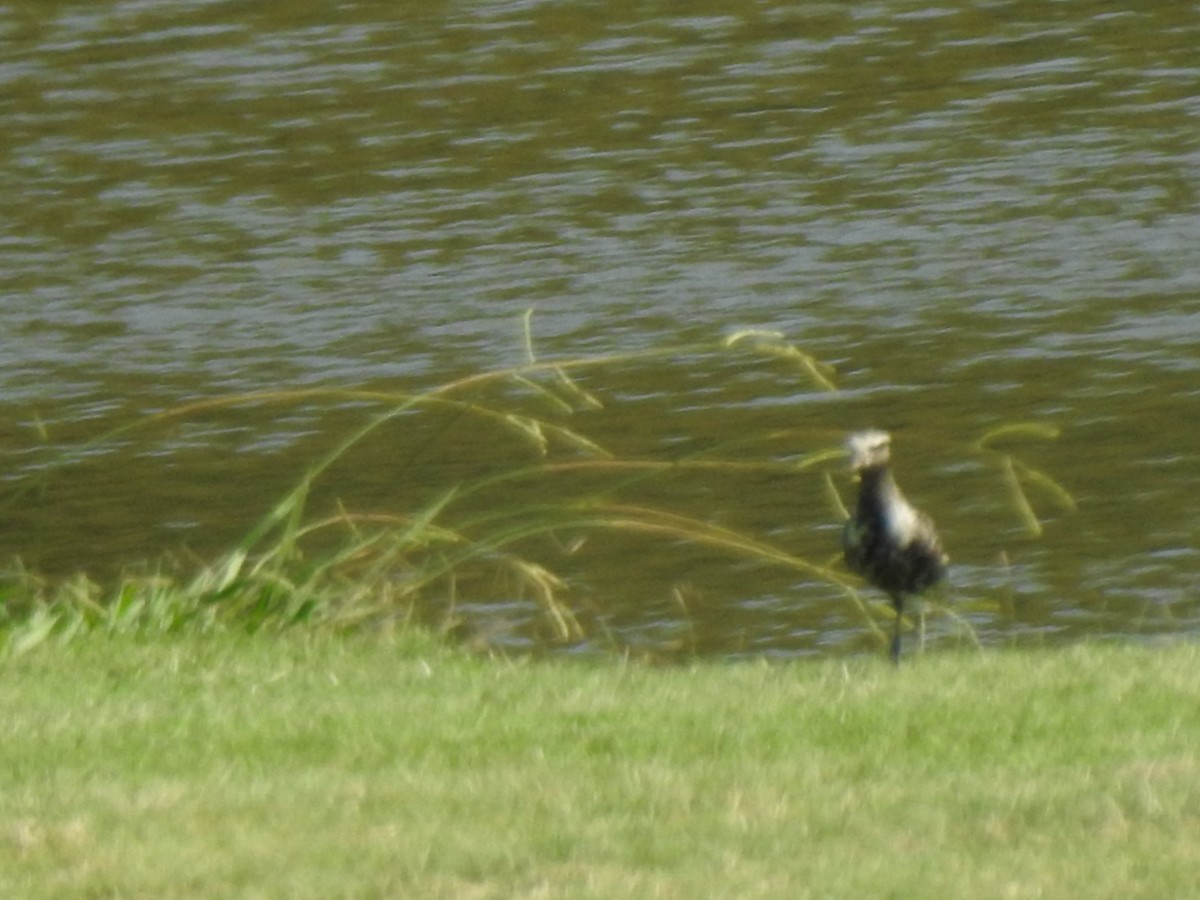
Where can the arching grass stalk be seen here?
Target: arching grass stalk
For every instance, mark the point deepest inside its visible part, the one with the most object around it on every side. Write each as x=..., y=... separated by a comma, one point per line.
x=773, y=343
x=382, y=564
x=351, y=569
x=1017, y=474
x=378, y=567
x=493, y=538
x=285, y=517
x=564, y=395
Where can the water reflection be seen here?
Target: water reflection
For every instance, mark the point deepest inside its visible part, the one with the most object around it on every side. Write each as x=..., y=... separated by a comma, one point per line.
x=980, y=214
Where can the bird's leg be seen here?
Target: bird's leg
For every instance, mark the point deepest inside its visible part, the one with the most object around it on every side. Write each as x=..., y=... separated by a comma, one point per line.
x=898, y=605
x=921, y=625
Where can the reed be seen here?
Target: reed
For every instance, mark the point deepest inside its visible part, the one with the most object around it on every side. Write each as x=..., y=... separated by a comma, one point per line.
x=358, y=569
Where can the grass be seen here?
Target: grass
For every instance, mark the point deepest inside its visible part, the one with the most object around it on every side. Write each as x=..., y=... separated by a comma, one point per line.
x=348, y=569
x=307, y=765
x=277, y=723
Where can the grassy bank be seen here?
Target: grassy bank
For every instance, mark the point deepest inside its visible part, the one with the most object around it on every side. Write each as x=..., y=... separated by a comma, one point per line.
x=300, y=766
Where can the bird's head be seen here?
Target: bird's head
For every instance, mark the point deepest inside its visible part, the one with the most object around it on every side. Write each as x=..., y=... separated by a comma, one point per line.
x=867, y=449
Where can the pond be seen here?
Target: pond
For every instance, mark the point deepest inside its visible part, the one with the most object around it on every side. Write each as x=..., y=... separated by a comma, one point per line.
x=976, y=214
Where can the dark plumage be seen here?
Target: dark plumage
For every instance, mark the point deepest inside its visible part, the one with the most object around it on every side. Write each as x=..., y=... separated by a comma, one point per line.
x=886, y=539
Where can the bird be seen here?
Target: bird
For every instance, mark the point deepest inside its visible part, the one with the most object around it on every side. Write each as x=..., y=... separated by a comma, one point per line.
x=887, y=540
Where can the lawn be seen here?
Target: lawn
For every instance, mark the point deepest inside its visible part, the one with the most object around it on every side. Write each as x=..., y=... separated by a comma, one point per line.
x=294, y=765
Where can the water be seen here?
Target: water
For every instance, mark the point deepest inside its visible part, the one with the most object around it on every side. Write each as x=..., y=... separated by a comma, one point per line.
x=978, y=213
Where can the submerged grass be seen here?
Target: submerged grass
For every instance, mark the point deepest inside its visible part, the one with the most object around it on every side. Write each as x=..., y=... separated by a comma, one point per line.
x=352, y=569
x=304, y=766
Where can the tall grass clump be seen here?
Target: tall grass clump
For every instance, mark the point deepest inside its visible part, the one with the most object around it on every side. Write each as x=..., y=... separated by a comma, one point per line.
x=345, y=568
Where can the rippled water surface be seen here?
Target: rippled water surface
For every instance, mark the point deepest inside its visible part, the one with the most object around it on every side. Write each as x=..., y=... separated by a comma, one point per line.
x=978, y=213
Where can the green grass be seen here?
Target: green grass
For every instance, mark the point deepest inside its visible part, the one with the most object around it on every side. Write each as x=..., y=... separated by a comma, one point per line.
x=505, y=530
x=308, y=765
x=512, y=529
x=277, y=723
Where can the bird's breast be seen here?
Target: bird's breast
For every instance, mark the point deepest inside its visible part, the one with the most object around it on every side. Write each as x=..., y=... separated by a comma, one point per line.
x=901, y=523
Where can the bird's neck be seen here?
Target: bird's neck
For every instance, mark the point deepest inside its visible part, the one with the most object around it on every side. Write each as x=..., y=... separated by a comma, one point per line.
x=878, y=490
x=881, y=502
